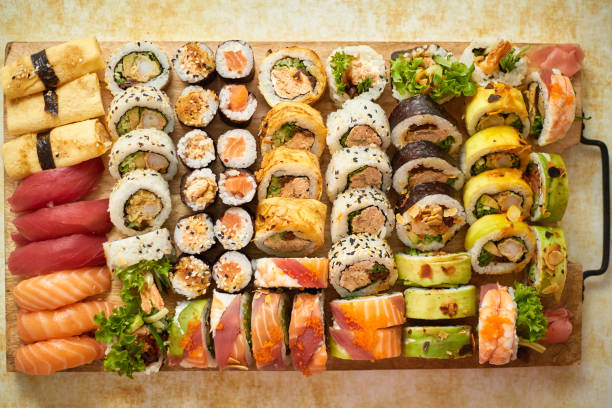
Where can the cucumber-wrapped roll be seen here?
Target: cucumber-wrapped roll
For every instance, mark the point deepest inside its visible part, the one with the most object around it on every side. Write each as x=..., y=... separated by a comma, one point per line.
x=435, y=304
x=438, y=342
x=434, y=269
x=548, y=269
x=547, y=176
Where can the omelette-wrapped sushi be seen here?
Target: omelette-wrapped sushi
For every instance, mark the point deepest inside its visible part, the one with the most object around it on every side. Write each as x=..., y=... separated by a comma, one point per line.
x=307, y=333
x=359, y=122
x=434, y=269
x=137, y=63
x=232, y=271
x=497, y=318
x=199, y=189
x=235, y=62
x=194, y=62
x=140, y=107
x=420, y=118
x=497, y=105
x=361, y=210
x=230, y=317
x=140, y=202
x=190, y=341
x=355, y=71
x=193, y=234
x=292, y=74
x=437, y=304
x=440, y=342
x=361, y=265
x=421, y=162
x=291, y=272
x=497, y=61
x=494, y=192
x=294, y=125
x=237, y=187
x=196, y=106
x=143, y=149
x=289, y=173
x=496, y=147
x=270, y=318
x=237, y=105
x=499, y=245
x=547, y=176
x=234, y=229
x=357, y=167
x=551, y=105
x=190, y=277
x=237, y=148
x=428, y=216
x=196, y=149
x=290, y=226
x=548, y=270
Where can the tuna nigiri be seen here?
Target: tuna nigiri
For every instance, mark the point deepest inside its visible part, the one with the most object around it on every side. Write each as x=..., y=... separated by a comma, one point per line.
x=47, y=357
x=71, y=252
x=54, y=324
x=61, y=288
x=306, y=334
x=82, y=217
x=56, y=186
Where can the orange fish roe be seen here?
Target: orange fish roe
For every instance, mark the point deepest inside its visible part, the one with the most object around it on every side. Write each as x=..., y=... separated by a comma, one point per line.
x=492, y=327
x=266, y=354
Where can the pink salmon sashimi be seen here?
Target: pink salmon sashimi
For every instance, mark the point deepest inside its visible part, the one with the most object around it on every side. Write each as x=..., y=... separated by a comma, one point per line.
x=370, y=312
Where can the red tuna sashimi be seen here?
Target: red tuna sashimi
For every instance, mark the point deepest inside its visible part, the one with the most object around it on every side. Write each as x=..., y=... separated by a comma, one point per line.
x=227, y=333
x=81, y=217
x=56, y=186
x=19, y=239
x=71, y=252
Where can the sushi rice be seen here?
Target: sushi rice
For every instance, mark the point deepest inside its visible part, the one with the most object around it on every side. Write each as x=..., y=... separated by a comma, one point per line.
x=232, y=272
x=196, y=149
x=237, y=148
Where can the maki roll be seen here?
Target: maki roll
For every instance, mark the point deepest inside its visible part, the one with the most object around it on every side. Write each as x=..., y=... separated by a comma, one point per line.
x=500, y=245
x=551, y=105
x=230, y=317
x=289, y=173
x=237, y=148
x=494, y=192
x=422, y=162
x=497, y=147
x=548, y=270
x=235, y=62
x=237, y=105
x=236, y=187
x=497, y=61
x=497, y=338
x=190, y=341
x=307, y=333
x=428, y=216
x=140, y=107
x=420, y=118
x=291, y=272
x=497, y=105
x=356, y=71
x=193, y=234
x=232, y=272
x=190, y=277
x=137, y=63
x=270, y=330
x=294, y=125
x=440, y=342
x=234, y=229
x=359, y=122
x=139, y=202
x=357, y=167
x=199, y=189
x=196, y=149
x=194, y=62
x=434, y=269
x=547, y=176
x=196, y=106
x=149, y=149
x=290, y=226
x=361, y=265
x=359, y=211
x=154, y=246
x=291, y=74
x=438, y=304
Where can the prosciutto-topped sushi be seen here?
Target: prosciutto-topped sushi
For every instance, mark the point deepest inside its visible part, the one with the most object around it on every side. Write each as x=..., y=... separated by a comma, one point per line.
x=307, y=334
x=229, y=325
x=268, y=330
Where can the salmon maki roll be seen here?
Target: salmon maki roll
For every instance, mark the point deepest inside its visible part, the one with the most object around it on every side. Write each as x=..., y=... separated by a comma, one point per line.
x=237, y=187
x=237, y=105
x=291, y=272
x=269, y=322
x=234, y=229
x=237, y=148
x=307, y=334
x=235, y=62
x=232, y=272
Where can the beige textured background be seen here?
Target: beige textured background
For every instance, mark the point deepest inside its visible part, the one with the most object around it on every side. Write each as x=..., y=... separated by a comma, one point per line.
x=588, y=23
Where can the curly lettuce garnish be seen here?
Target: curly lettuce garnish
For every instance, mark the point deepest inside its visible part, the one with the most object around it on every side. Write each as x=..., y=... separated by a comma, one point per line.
x=340, y=63
x=531, y=325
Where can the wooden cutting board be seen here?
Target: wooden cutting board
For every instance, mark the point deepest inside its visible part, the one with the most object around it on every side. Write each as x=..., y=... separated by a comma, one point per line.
x=560, y=354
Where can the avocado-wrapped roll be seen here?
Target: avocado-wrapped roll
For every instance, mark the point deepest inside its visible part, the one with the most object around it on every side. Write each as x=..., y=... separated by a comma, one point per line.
x=499, y=245
x=191, y=343
x=497, y=105
x=548, y=270
x=437, y=304
x=494, y=192
x=441, y=342
x=547, y=176
x=496, y=147
x=434, y=269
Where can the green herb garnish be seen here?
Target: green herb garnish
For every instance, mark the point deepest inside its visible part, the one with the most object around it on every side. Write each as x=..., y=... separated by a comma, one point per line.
x=531, y=324
x=485, y=257
x=340, y=63
x=274, y=188
x=508, y=62
x=364, y=85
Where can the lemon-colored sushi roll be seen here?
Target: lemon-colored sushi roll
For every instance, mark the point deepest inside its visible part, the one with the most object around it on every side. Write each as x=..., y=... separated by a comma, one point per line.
x=437, y=304
x=548, y=270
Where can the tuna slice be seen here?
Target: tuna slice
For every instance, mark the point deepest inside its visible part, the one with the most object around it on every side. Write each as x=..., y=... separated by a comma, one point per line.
x=71, y=252
x=56, y=186
x=306, y=332
x=369, y=313
x=228, y=334
x=82, y=217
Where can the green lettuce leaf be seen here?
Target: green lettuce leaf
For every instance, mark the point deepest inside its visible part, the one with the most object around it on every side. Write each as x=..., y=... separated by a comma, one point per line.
x=340, y=62
x=531, y=324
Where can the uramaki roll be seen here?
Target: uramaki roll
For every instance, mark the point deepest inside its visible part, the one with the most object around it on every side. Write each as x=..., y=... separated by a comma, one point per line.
x=547, y=176
x=548, y=270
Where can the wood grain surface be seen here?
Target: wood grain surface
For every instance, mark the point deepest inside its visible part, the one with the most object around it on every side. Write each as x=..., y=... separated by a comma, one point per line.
x=560, y=354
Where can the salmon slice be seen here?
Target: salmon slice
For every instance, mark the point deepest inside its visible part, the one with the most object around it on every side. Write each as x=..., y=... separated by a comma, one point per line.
x=371, y=312
x=54, y=324
x=235, y=60
x=47, y=292
x=306, y=334
x=234, y=147
x=238, y=185
x=369, y=344
x=239, y=96
x=266, y=331
x=47, y=357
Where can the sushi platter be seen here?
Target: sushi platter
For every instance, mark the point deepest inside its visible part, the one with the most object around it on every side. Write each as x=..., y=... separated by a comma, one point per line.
x=177, y=204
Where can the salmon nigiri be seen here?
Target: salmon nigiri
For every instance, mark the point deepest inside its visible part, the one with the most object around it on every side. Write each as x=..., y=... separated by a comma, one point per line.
x=47, y=357
x=47, y=292
x=54, y=324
